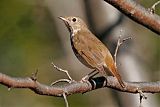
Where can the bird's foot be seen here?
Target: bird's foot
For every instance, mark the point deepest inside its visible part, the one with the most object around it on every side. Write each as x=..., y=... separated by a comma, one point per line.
x=85, y=78
x=89, y=76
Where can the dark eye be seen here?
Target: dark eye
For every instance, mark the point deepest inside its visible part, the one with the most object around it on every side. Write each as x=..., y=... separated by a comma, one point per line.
x=74, y=19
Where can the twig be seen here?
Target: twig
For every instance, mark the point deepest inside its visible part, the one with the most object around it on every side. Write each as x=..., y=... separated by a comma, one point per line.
x=116, y=51
x=62, y=80
x=34, y=75
x=141, y=96
x=119, y=43
x=65, y=99
x=153, y=8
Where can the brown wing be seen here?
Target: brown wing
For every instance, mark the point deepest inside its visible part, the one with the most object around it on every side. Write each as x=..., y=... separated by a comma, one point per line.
x=89, y=47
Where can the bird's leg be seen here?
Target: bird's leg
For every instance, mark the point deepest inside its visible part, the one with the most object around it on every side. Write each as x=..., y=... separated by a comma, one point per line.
x=90, y=75
x=70, y=80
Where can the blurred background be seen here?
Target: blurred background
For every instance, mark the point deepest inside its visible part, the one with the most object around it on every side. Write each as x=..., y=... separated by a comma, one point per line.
x=31, y=37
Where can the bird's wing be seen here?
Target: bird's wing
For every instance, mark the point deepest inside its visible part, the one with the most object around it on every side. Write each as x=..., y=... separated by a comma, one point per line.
x=91, y=49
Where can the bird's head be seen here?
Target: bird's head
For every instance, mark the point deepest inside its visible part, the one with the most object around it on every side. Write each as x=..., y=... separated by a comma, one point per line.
x=73, y=23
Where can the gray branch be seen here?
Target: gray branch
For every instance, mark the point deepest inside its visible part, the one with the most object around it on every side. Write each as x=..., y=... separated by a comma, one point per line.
x=138, y=13
x=78, y=87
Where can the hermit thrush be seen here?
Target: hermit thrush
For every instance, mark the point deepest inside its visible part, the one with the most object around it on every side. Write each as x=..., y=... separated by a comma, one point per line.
x=89, y=49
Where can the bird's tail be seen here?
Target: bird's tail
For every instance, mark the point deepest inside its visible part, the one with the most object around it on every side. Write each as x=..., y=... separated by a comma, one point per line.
x=115, y=73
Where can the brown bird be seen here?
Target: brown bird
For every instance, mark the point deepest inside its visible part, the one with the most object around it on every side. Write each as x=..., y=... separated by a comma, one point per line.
x=89, y=49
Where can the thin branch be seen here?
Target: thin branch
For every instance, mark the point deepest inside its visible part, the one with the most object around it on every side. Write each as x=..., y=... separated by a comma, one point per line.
x=62, y=70
x=137, y=13
x=70, y=80
x=65, y=99
x=119, y=43
x=141, y=97
x=78, y=87
x=153, y=8
x=34, y=75
x=116, y=51
x=61, y=80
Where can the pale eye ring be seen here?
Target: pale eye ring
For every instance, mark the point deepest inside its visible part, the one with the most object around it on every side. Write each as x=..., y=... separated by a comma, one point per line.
x=74, y=19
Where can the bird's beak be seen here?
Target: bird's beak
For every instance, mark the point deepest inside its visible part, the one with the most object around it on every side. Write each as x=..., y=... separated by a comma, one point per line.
x=66, y=22
x=63, y=19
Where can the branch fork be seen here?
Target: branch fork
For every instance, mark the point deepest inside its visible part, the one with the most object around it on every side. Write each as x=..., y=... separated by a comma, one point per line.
x=69, y=80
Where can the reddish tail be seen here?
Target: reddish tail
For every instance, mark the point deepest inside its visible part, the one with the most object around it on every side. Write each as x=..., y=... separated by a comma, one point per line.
x=117, y=75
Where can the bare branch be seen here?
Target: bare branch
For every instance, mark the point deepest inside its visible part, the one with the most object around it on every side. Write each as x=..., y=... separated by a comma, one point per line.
x=65, y=99
x=153, y=8
x=61, y=80
x=34, y=75
x=119, y=43
x=78, y=87
x=137, y=13
x=62, y=70
x=141, y=97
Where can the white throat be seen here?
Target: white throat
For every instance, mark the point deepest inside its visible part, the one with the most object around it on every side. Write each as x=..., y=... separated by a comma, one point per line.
x=75, y=31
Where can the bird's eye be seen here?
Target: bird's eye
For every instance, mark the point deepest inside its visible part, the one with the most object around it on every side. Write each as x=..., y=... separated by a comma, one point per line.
x=74, y=19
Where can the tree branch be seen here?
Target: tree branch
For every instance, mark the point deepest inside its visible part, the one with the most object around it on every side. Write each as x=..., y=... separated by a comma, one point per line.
x=137, y=13
x=78, y=87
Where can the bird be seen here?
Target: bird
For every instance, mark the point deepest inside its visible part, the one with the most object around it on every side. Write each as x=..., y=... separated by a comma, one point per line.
x=89, y=49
